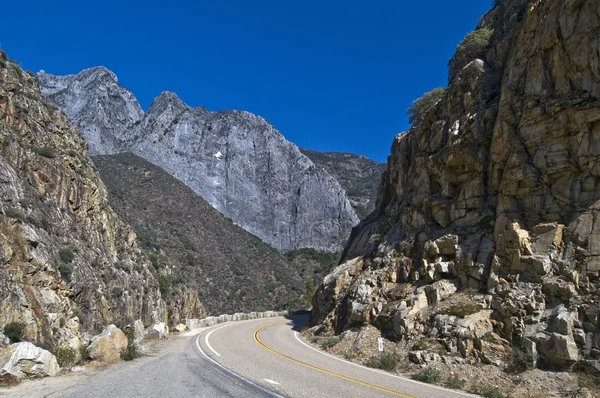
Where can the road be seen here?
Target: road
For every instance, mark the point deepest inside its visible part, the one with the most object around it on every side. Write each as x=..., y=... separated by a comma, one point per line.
x=257, y=358
x=270, y=353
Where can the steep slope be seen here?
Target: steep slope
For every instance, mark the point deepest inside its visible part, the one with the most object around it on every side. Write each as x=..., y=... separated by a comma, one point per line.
x=358, y=175
x=231, y=269
x=485, y=233
x=235, y=160
x=60, y=241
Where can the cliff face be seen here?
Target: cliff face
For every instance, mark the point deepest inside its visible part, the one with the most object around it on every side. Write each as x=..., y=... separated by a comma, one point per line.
x=96, y=104
x=68, y=264
x=235, y=160
x=246, y=170
x=492, y=198
x=359, y=176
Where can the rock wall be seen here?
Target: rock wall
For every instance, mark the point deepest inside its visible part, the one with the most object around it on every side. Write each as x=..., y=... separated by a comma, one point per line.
x=68, y=264
x=491, y=197
x=235, y=160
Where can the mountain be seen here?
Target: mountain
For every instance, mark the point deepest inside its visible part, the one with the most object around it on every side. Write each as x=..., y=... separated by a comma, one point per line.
x=232, y=270
x=358, y=175
x=69, y=265
x=484, y=246
x=235, y=160
x=96, y=104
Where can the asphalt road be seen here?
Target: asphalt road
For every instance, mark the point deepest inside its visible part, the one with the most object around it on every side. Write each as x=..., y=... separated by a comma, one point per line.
x=179, y=371
x=258, y=358
x=270, y=353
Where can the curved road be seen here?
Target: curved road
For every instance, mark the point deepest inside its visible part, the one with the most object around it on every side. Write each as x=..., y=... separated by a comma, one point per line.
x=257, y=358
x=271, y=354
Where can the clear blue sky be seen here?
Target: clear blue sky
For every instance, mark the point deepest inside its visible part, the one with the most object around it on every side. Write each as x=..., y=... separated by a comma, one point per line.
x=331, y=75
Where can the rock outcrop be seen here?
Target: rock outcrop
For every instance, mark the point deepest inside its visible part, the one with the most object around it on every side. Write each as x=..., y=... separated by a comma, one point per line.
x=68, y=264
x=24, y=360
x=235, y=160
x=496, y=189
x=96, y=104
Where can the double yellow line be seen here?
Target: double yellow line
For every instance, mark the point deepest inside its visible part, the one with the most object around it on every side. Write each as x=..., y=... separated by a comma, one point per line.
x=362, y=383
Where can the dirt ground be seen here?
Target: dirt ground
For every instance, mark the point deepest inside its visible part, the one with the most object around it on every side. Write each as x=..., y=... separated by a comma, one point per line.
x=361, y=345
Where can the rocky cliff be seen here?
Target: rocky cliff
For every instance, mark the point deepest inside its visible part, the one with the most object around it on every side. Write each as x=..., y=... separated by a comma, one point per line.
x=68, y=264
x=485, y=234
x=358, y=175
x=235, y=160
x=231, y=269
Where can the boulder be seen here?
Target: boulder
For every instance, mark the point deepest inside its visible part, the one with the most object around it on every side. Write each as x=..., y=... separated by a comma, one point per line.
x=157, y=331
x=181, y=327
x=25, y=360
x=557, y=349
x=107, y=346
x=447, y=245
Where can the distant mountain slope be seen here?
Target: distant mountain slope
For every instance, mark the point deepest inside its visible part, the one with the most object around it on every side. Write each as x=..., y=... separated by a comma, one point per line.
x=358, y=175
x=235, y=160
x=231, y=269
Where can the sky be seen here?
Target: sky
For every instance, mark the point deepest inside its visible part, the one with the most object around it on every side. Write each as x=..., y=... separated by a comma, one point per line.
x=330, y=75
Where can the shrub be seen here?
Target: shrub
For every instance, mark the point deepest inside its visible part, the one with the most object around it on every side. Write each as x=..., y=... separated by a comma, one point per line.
x=66, y=270
x=430, y=376
x=521, y=361
x=490, y=392
x=387, y=362
x=309, y=293
x=130, y=352
x=66, y=255
x=455, y=382
x=164, y=285
x=14, y=331
x=422, y=105
x=65, y=356
x=47, y=152
x=330, y=342
x=123, y=265
x=473, y=46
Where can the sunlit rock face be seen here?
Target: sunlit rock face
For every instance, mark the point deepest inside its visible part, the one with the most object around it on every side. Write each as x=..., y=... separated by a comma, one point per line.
x=496, y=189
x=235, y=160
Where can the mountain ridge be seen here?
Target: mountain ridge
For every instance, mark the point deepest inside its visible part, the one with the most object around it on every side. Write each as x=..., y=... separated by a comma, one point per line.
x=235, y=160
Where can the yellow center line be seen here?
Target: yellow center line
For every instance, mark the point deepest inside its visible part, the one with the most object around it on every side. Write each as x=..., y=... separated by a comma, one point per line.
x=362, y=383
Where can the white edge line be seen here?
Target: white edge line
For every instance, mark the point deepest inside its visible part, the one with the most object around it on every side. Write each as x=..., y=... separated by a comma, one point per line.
x=233, y=374
x=208, y=335
x=382, y=372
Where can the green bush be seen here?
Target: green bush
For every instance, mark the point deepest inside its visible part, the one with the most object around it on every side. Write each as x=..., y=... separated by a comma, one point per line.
x=330, y=342
x=164, y=285
x=422, y=105
x=455, y=382
x=388, y=362
x=521, y=361
x=430, y=376
x=47, y=152
x=14, y=331
x=473, y=46
x=309, y=292
x=65, y=356
x=66, y=270
x=66, y=255
x=130, y=352
x=490, y=392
